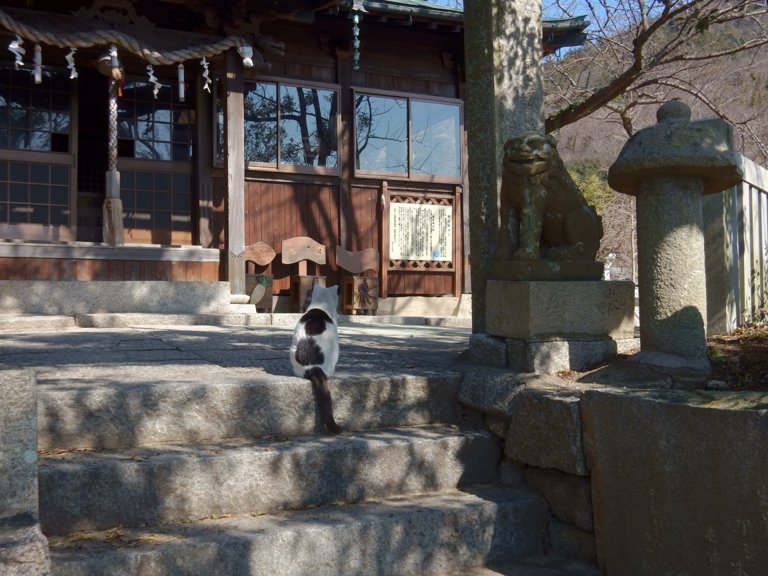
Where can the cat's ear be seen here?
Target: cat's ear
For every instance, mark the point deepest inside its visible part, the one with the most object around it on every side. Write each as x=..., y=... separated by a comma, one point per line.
x=334, y=288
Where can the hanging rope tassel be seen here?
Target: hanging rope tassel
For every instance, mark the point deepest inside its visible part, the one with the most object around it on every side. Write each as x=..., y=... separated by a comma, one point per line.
x=153, y=80
x=16, y=48
x=70, y=58
x=182, y=94
x=38, y=62
x=206, y=74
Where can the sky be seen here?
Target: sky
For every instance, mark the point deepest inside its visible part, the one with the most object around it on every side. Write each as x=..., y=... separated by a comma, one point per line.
x=550, y=7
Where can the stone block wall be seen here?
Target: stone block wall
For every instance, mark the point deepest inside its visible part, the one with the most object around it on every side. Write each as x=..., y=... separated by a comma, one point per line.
x=643, y=482
x=538, y=420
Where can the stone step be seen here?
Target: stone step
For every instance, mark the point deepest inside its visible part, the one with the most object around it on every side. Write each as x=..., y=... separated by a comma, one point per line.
x=104, y=408
x=178, y=483
x=425, y=534
x=538, y=566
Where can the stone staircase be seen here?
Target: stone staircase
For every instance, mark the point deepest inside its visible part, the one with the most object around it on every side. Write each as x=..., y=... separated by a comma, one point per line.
x=172, y=470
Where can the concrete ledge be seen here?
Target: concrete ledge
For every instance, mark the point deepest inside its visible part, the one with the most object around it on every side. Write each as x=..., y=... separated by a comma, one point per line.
x=72, y=297
x=33, y=322
x=90, y=251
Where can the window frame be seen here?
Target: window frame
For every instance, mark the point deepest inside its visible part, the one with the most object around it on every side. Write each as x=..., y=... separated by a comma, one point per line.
x=409, y=175
x=175, y=105
x=278, y=165
x=38, y=231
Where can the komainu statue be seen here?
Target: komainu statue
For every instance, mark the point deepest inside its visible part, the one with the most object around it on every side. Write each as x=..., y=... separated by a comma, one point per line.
x=544, y=215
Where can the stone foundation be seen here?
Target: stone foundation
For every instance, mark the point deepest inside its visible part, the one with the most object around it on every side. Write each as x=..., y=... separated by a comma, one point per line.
x=73, y=297
x=545, y=327
x=648, y=482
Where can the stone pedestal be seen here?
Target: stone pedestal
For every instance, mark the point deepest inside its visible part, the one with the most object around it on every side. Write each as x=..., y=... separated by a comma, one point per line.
x=549, y=326
x=23, y=548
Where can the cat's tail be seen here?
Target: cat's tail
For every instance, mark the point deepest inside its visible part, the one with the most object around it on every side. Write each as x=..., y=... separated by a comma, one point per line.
x=323, y=397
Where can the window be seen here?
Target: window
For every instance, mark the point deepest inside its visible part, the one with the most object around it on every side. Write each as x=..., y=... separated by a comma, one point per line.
x=160, y=202
x=407, y=136
x=155, y=145
x=291, y=126
x=34, y=116
x=34, y=193
x=152, y=128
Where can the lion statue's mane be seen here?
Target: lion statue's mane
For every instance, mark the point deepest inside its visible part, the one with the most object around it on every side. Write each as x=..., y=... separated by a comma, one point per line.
x=544, y=214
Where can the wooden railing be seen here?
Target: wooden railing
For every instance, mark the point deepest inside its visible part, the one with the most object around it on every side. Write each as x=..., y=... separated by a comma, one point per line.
x=737, y=251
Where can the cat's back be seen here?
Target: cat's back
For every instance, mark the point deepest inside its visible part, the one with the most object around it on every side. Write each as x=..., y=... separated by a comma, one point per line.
x=315, y=343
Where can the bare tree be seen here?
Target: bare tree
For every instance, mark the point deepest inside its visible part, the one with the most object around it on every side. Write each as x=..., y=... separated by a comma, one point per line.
x=641, y=53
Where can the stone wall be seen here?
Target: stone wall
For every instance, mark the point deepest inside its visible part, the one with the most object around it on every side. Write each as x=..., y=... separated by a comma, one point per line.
x=645, y=482
x=23, y=548
x=679, y=481
x=538, y=420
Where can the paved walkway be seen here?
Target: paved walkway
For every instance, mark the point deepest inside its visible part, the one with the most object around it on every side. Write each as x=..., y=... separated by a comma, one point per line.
x=367, y=348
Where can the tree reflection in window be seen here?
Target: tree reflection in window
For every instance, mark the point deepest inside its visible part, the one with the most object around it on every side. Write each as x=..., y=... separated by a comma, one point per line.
x=435, y=138
x=34, y=116
x=260, y=110
x=381, y=128
x=300, y=131
x=386, y=128
x=154, y=128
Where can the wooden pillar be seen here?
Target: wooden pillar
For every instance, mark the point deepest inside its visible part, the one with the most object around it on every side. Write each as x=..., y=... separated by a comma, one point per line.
x=346, y=148
x=235, y=165
x=112, y=213
x=203, y=208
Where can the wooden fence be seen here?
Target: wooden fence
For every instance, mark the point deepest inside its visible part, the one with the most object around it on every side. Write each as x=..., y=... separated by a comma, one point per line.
x=736, y=235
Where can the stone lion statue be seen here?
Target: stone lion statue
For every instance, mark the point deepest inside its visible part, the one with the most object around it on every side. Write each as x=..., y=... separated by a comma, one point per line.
x=544, y=215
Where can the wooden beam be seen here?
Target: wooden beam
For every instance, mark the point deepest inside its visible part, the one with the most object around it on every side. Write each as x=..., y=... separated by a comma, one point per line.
x=203, y=210
x=235, y=164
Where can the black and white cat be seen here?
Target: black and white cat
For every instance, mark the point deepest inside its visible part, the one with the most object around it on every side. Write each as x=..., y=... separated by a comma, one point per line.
x=315, y=348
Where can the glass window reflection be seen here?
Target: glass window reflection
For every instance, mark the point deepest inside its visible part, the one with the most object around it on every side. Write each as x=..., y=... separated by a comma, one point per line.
x=30, y=112
x=260, y=113
x=307, y=126
x=381, y=134
x=161, y=128
x=293, y=125
x=435, y=138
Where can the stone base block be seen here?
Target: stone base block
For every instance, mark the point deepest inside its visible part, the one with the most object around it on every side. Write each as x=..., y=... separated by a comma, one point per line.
x=551, y=356
x=541, y=356
x=541, y=309
x=486, y=350
x=547, y=270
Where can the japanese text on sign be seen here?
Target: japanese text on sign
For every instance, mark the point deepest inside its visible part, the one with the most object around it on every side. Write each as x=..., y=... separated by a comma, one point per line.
x=420, y=232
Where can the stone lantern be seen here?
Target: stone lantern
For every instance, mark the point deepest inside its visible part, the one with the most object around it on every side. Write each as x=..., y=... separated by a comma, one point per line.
x=668, y=167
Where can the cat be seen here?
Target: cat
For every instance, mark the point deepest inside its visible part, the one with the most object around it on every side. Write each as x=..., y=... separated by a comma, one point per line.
x=315, y=349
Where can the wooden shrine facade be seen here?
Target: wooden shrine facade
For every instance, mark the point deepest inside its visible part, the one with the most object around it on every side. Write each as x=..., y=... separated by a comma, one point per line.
x=233, y=123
